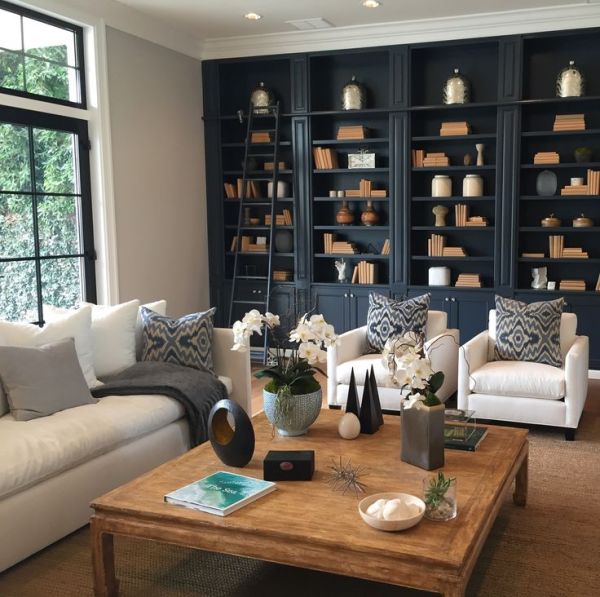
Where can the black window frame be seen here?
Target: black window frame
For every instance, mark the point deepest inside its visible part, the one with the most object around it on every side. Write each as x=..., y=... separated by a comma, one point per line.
x=77, y=31
x=79, y=127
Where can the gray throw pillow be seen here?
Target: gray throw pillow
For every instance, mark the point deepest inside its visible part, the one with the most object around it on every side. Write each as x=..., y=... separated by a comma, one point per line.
x=42, y=381
x=185, y=341
x=389, y=318
x=528, y=332
x=3, y=401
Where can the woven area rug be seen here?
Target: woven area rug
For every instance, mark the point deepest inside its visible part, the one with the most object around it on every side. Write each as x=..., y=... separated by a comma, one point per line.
x=551, y=548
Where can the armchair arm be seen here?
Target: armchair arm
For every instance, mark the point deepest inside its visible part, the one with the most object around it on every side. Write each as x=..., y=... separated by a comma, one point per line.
x=352, y=345
x=471, y=357
x=233, y=364
x=576, y=379
x=442, y=351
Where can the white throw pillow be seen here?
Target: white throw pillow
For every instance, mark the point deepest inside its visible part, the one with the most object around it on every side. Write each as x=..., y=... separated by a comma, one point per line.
x=72, y=324
x=113, y=333
x=159, y=307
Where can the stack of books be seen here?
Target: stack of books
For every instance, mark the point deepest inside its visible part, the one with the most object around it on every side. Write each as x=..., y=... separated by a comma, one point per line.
x=468, y=281
x=235, y=192
x=574, y=253
x=556, y=244
x=461, y=213
x=435, y=245
x=593, y=182
x=453, y=252
x=533, y=255
x=364, y=273
x=569, y=122
x=436, y=159
x=418, y=155
x=283, y=219
x=331, y=245
x=365, y=187
x=230, y=191
x=580, y=189
x=477, y=221
x=450, y=129
x=365, y=190
x=260, y=246
x=325, y=158
x=572, y=285
x=546, y=157
x=352, y=132
x=385, y=250
x=280, y=165
x=260, y=137
x=282, y=275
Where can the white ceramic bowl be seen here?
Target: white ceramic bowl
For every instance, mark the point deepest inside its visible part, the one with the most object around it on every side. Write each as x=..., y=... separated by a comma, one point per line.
x=391, y=525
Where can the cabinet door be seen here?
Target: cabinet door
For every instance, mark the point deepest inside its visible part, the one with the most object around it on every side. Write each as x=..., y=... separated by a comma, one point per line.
x=470, y=313
x=440, y=300
x=359, y=305
x=283, y=303
x=334, y=304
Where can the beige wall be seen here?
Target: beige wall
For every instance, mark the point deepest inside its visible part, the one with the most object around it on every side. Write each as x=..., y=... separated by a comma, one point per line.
x=158, y=161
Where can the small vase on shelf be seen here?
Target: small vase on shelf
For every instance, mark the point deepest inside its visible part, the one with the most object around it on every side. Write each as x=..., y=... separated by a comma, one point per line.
x=344, y=216
x=369, y=217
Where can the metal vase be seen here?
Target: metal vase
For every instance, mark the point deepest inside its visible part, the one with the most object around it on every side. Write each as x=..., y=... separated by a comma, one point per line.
x=422, y=437
x=354, y=95
x=570, y=82
x=457, y=89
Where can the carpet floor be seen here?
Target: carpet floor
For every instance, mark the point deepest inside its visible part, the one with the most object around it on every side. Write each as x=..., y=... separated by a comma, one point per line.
x=551, y=548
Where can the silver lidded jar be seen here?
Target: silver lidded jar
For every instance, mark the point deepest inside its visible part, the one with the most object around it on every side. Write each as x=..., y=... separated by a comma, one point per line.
x=570, y=81
x=354, y=95
x=261, y=98
x=457, y=89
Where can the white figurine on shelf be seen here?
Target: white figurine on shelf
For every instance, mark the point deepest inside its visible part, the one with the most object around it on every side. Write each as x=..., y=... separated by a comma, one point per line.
x=479, y=147
x=540, y=277
x=340, y=265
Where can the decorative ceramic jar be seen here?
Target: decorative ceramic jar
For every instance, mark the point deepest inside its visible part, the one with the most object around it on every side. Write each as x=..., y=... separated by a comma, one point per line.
x=369, y=217
x=344, y=216
x=551, y=222
x=570, y=81
x=283, y=189
x=582, y=222
x=457, y=89
x=303, y=412
x=354, y=95
x=261, y=98
x=439, y=276
x=583, y=154
x=284, y=241
x=441, y=186
x=472, y=185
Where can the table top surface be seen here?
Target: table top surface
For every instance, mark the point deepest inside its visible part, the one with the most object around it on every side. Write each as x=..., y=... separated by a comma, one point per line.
x=311, y=512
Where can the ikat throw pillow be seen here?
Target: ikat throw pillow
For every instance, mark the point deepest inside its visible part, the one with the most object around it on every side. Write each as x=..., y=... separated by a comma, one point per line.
x=185, y=341
x=528, y=332
x=389, y=318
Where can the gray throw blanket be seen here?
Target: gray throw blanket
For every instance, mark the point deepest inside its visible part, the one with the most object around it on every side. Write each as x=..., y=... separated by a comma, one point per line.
x=197, y=391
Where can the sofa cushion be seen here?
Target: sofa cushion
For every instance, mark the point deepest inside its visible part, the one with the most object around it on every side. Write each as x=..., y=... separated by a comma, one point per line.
x=159, y=307
x=388, y=318
x=528, y=332
x=73, y=324
x=184, y=341
x=519, y=379
x=42, y=381
x=361, y=365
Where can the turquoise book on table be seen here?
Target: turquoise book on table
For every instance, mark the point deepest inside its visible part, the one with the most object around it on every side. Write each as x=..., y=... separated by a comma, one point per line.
x=220, y=493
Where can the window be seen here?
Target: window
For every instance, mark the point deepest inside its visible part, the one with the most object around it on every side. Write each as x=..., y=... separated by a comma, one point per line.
x=40, y=57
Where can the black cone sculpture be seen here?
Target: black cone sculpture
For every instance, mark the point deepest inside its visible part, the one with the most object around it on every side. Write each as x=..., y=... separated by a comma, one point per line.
x=369, y=421
x=375, y=395
x=234, y=446
x=352, y=400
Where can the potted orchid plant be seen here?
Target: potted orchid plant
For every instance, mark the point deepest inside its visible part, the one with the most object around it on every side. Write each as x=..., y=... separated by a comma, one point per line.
x=292, y=397
x=422, y=411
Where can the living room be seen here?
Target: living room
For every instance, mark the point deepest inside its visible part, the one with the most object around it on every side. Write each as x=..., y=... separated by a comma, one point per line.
x=413, y=166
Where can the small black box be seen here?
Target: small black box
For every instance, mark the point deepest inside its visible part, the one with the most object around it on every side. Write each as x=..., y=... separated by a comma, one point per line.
x=289, y=465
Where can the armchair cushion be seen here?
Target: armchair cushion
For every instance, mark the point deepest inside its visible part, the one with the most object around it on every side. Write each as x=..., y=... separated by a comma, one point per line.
x=388, y=318
x=519, y=378
x=361, y=365
x=528, y=332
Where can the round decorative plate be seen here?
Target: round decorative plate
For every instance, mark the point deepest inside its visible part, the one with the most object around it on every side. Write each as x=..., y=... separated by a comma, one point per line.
x=546, y=183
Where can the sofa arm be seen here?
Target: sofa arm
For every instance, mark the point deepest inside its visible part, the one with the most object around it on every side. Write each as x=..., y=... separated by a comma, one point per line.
x=576, y=379
x=471, y=357
x=442, y=351
x=233, y=364
x=352, y=344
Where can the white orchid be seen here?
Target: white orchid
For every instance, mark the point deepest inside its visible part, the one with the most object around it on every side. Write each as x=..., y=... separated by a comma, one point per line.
x=309, y=351
x=254, y=321
x=330, y=338
x=302, y=333
x=271, y=320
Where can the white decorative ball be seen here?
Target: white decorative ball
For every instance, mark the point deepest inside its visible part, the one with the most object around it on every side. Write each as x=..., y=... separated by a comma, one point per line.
x=349, y=426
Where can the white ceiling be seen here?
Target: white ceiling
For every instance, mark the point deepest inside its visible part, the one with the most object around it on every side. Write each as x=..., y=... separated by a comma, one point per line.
x=211, y=19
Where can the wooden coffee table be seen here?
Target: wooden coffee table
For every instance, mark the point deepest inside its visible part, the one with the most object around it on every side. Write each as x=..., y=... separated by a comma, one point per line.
x=309, y=525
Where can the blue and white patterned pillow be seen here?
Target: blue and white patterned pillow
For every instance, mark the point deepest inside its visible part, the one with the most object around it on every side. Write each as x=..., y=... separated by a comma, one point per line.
x=391, y=318
x=185, y=341
x=528, y=332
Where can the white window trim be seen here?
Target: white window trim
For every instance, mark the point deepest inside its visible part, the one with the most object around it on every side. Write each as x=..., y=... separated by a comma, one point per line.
x=97, y=116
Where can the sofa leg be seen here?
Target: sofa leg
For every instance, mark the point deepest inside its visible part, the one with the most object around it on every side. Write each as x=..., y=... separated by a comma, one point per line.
x=570, y=435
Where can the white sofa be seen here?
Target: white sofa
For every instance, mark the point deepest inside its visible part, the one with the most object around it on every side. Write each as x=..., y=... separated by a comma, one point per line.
x=353, y=353
x=525, y=392
x=52, y=467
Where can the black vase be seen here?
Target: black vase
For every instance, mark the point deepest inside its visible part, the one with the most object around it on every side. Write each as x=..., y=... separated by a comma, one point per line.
x=234, y=447
x=284, y=241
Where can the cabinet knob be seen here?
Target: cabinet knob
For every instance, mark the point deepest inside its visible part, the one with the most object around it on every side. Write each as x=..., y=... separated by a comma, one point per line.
x=254, y=292
x=446, y=299
x=259, y=292
x=453, y=299
x=351, y=295
x=345, y=295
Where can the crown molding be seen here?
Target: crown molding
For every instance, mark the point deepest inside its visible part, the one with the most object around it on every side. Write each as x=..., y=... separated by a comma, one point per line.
x=573, y=16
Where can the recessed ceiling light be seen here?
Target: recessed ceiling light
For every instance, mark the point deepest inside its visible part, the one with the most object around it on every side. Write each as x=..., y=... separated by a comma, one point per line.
x=252, y=16
x=371, y=3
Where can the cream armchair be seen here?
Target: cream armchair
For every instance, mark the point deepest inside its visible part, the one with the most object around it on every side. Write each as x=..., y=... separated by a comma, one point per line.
x=524, y=392
x=353, y=353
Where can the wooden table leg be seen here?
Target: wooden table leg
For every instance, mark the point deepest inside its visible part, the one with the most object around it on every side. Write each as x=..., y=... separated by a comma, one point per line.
x=103, y=559
x=457, y=590
x=520, y=494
